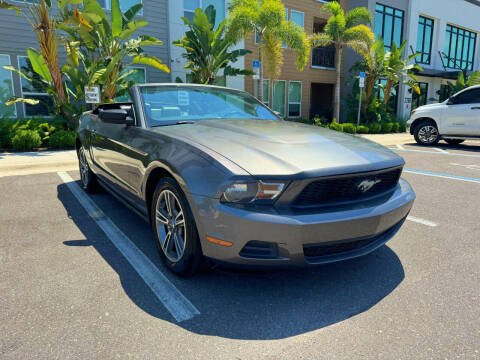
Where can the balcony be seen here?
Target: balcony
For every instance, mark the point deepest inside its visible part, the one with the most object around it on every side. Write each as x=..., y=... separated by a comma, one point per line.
x=323, y=57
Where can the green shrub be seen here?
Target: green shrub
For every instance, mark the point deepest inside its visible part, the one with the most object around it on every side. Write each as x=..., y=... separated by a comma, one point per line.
x=349, y=128
x=6, y=133
x=26, y=140
x=335, y=126
x=402, y=127
x=62, y=138
x=395, y=127
x=321, y=121
x=375, y=128
x=362, y=129
x=387, y=127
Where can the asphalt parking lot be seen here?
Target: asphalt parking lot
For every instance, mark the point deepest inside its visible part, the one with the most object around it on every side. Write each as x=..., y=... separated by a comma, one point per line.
x=81, y=279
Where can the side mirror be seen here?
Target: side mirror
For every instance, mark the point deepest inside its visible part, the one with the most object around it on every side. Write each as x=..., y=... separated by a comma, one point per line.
x=116, y=116
x=451, y=101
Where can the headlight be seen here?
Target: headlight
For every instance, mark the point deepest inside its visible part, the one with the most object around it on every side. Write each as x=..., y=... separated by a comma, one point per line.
x=244, y=193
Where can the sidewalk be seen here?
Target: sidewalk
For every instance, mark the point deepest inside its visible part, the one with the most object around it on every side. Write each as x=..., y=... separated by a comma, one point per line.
x=390, y=139
x=37, y=162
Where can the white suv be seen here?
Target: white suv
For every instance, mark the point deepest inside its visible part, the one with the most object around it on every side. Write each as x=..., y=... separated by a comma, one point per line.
x=453, y=120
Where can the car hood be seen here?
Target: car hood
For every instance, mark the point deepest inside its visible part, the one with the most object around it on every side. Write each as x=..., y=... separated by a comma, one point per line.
x=282, y=148
x=430, y=106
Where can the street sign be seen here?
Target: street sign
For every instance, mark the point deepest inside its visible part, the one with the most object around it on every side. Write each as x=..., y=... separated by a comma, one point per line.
x=92, y=95
x=256, y=69
x=362, y=80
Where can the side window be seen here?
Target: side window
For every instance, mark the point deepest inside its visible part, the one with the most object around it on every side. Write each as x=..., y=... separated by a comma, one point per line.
x=468, y=97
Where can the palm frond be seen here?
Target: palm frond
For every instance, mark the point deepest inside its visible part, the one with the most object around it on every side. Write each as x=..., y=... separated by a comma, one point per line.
x=320, y=39
x=357, y=16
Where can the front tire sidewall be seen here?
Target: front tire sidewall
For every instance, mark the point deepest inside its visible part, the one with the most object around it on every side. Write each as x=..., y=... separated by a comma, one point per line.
x=417, y=137
x=90, y=186
x=191, y=260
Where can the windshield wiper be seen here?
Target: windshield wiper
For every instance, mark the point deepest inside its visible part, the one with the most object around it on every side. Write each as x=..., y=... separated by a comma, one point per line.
x=183, y=122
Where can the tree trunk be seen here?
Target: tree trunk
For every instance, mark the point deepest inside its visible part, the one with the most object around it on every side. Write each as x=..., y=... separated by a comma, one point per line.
x=387, y=91
x=338, y=83
x=369, y=86
x=260, y=73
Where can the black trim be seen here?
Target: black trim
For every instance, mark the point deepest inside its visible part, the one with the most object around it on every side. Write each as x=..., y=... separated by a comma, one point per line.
x=452, y=60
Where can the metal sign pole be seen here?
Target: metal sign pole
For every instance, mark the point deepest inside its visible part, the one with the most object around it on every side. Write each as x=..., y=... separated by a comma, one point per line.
x=361, y=85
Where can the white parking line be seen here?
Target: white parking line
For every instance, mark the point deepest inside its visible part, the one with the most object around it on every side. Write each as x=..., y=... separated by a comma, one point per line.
x=400, y=147
x=173, y=300
x=441, y=150
x=435, y=152
x=421, y=221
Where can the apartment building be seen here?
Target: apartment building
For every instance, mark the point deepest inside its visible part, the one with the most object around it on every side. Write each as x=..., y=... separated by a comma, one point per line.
x=298, y=94
x=444, y=32
x=16, y=36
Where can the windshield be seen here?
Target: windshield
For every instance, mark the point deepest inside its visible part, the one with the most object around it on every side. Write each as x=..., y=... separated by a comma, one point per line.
x=167, y=105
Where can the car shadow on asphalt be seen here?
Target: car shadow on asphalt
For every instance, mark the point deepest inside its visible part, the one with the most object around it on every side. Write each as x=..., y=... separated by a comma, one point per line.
x=234, y=304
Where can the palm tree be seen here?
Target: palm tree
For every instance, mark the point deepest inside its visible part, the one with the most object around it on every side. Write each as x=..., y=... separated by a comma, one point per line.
x=266, y=19
x=395, y=68
x=207, y=49
x=344, y=30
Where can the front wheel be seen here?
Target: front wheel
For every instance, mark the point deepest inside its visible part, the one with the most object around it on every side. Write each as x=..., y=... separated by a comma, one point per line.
x=89, y=179
x=426, y=133
x=454, y=141
x=175, y=230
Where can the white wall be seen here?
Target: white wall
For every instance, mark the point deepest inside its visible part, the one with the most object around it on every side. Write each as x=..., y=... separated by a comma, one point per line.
x=460, y=13
x=177, y=30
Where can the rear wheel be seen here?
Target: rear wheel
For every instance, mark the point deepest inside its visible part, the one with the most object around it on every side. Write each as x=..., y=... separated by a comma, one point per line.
x=454, y=141
x=426, y=133
x=89, y=179
x=175, y=229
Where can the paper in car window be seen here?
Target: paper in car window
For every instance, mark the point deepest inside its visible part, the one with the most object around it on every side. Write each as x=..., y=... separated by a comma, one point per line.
x=183, y=98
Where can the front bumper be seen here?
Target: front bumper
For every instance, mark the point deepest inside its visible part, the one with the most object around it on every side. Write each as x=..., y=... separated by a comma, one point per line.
x=328, y=235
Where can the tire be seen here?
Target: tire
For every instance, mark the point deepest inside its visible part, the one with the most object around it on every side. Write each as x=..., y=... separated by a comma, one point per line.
x=88, y=178
x=426, y=133
x=175, y=230
x=454, y=141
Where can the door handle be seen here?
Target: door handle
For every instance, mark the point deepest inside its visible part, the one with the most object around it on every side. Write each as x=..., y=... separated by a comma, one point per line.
x=475, y=108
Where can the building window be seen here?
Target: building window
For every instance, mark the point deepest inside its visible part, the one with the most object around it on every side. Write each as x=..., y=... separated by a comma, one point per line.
x=294, y=99
x=124, y=4
x=138, y=76
x=459, y=48
x=392, y=102
x=298, y=17
x=6, y=88
x=420, y=99
x=424, y=40
x=36, y=90
x=444, y=93
x=279, y=96
x=389, y=25
x=266, y=91
x=190, y=6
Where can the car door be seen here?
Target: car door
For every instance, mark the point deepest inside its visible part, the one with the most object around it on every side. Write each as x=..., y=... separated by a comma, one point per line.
x=117, y=153
x=463, y=113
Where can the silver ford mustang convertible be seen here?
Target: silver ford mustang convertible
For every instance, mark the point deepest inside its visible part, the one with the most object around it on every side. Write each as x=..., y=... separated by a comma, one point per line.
x=220, y=177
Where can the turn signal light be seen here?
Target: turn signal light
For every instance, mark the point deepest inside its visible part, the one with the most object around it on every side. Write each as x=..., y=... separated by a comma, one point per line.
x=219, y=241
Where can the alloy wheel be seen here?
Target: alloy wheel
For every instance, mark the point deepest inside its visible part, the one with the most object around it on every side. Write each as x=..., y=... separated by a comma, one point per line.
x=170, y=223
x=428, y=134
x=83, y=166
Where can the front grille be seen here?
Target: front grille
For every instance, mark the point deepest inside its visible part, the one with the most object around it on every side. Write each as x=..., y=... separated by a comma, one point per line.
x=334, y=190
x=314, y=252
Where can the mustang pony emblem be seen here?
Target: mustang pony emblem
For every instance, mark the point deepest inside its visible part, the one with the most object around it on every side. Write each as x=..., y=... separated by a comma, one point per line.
x=366, y=185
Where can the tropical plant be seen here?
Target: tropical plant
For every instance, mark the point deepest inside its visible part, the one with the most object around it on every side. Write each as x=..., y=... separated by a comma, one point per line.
x=344, y=30
x=266, y=20
x=463, y=81
x=207, y=49
x=396, y=68
x=101, y=46
x=44, y=62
